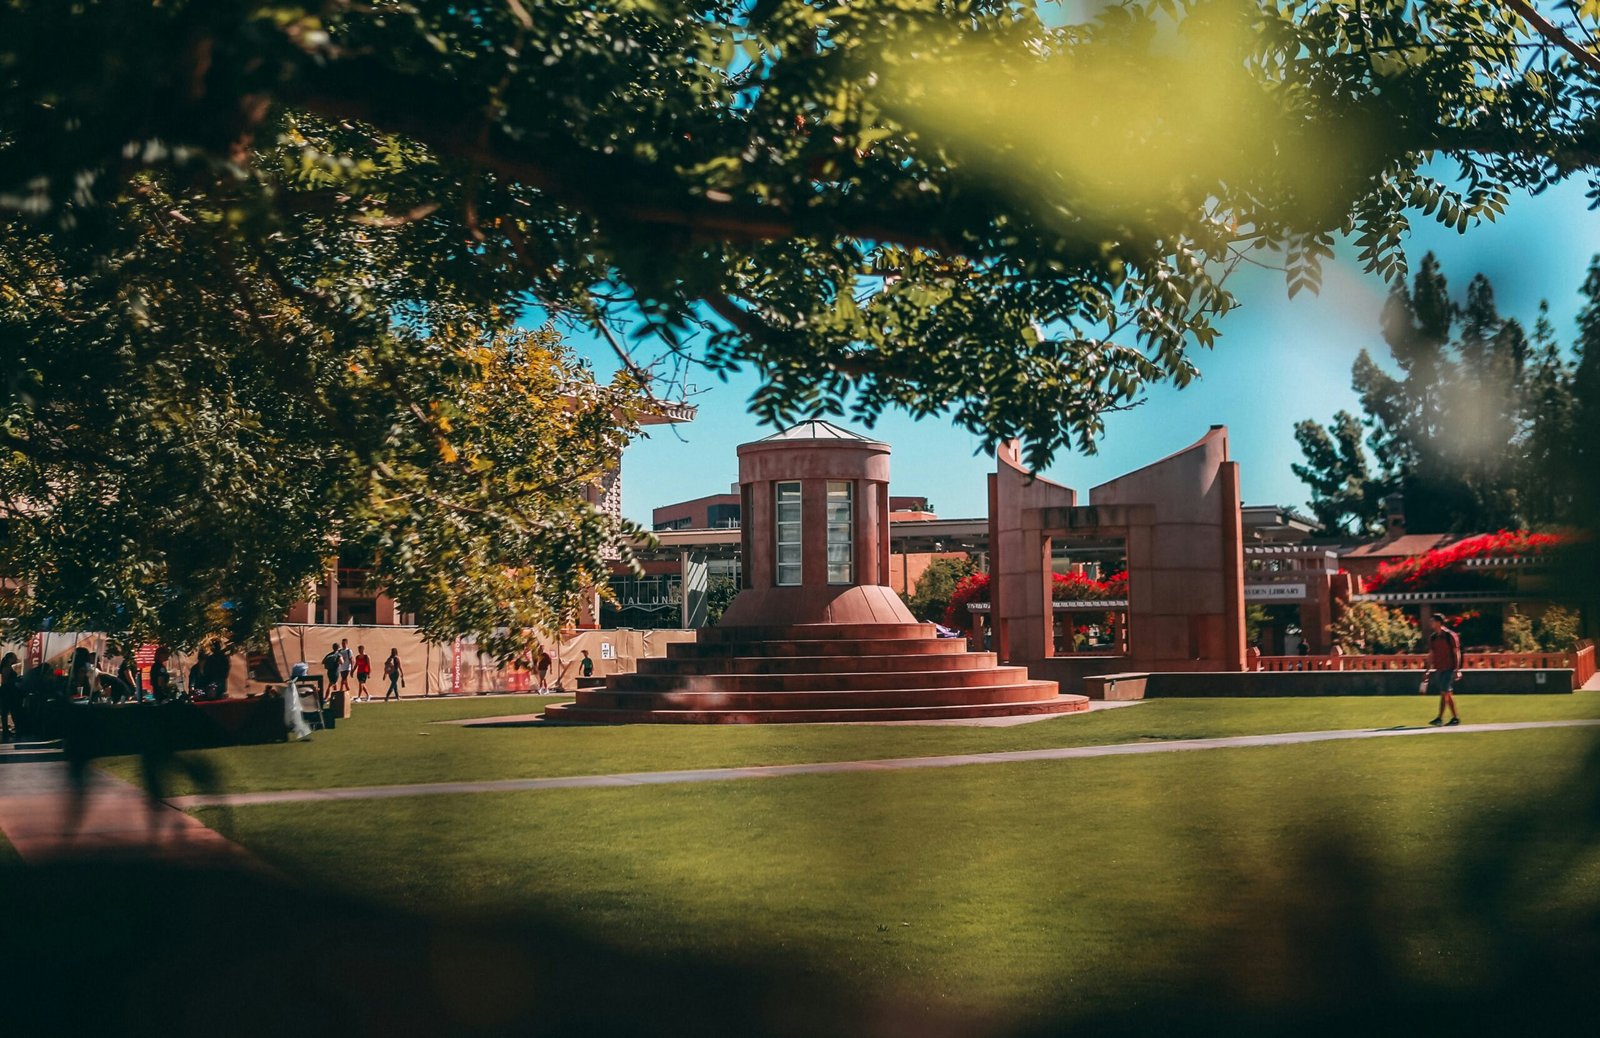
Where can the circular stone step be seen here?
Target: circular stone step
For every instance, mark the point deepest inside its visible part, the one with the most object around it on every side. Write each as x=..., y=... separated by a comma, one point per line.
x=572, y=713
x=816, y=673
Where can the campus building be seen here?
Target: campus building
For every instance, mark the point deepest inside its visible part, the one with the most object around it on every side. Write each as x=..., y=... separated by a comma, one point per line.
x=699, y=547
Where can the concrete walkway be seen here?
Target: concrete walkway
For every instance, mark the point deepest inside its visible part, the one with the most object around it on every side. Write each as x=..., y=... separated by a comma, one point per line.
x=665, y=778
x=43, y=817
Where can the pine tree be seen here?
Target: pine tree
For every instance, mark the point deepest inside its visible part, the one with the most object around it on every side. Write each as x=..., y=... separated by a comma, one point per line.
x=1547, y=429
x=1345, y=496
x=1472, y=430
x=1481, y=413
x=1584, y=450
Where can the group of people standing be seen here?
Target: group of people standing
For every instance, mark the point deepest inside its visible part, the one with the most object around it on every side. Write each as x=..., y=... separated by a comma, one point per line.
x=341, y=664
x=89, y=678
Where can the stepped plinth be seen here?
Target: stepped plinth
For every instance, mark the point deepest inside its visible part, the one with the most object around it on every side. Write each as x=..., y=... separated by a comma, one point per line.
x=816, y=635
x=817, y=673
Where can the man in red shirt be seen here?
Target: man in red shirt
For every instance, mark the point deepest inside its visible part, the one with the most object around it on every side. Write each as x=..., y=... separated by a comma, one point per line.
x=1444, y=667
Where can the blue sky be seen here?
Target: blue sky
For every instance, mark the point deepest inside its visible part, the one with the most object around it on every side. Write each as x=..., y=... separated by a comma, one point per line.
x=1277, y=361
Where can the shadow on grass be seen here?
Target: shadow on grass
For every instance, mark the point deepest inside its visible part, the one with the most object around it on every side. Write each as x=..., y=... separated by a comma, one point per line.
x=1508, y=942
x=1317, y=946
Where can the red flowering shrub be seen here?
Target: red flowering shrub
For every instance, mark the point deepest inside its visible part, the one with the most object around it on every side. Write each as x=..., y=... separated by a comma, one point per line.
x=1443, y=569
x=1066, y=587
x=1075, y=587
x=973, y=588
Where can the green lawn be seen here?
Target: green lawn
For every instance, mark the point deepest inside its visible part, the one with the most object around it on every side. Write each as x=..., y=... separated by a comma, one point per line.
x=1019, y=889
x=385, y=744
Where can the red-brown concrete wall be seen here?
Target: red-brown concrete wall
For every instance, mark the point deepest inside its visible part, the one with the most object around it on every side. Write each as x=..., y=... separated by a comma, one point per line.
x=1186, y=584
x=1016, y=591
x=1180, y=520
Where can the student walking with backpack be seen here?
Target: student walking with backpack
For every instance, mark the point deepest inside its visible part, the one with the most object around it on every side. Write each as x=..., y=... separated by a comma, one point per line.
x=396, y=675
x=331, y=663
x=1444, y=667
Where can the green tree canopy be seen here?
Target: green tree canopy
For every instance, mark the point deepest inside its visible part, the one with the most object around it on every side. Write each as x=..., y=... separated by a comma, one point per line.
x=1367, y=628
x=938, y=582
x=252, y=219
x=1477, y=430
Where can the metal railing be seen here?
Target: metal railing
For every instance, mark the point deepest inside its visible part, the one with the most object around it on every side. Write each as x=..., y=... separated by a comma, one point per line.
x=1581, y=661
x=1583, y=664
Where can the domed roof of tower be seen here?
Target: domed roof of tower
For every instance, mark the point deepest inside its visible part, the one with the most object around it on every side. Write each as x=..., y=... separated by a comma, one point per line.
x=816, y=429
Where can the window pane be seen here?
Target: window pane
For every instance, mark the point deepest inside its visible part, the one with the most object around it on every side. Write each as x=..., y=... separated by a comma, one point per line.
x=788, y=533
x=840, y=538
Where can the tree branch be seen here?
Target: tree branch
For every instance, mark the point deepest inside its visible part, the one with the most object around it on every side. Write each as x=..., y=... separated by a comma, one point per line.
x=1554, y=35
x=608, y=186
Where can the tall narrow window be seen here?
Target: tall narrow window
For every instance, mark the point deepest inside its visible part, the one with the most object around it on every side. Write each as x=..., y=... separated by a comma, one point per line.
x=788, y=527
x=840, y=538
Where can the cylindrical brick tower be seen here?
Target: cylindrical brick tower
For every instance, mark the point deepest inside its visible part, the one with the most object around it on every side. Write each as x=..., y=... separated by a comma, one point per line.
x=815, y=530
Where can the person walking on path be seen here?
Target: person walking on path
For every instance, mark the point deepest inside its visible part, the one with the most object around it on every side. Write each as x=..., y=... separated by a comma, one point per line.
x=330, y=663
x=347, y=663
x=1444, y=667
x=396, y=675
x=363, y=664
x=544, y=670
x=10, y=697
x=586, y=665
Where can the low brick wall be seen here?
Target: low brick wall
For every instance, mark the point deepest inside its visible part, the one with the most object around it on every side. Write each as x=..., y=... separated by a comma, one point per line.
x=1073, y=673
x=1349, y=683
x=1115, y=687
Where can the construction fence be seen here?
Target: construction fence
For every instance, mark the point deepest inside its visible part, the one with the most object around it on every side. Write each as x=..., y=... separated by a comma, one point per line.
x=428, y=669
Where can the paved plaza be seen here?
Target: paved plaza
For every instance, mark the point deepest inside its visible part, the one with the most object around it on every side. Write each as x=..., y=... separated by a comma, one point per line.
x=46, y=816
